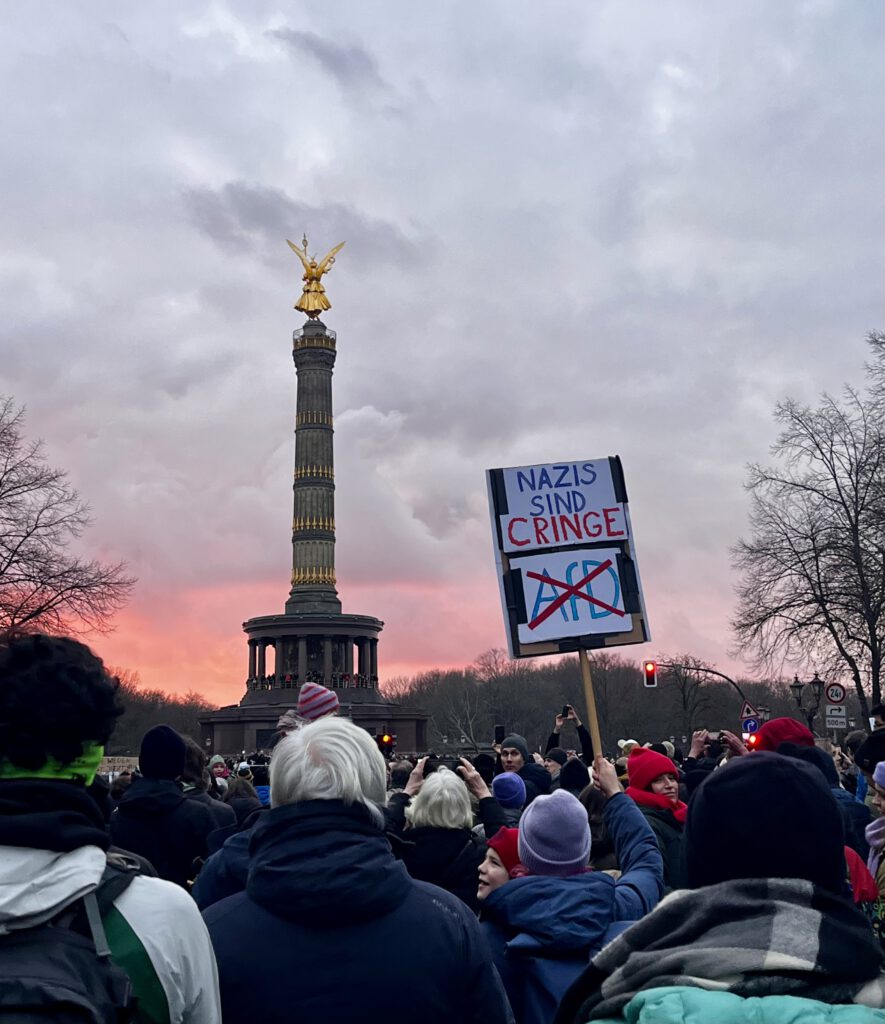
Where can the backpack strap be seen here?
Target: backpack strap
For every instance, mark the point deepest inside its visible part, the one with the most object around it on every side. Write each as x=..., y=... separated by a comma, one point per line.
x=119, y=871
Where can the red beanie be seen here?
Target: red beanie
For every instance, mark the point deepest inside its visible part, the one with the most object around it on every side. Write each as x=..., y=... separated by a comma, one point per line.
x=504, y=843
x=782, y=730
x=644, y=766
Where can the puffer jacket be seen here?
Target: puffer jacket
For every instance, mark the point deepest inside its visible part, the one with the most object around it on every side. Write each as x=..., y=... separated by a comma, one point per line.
x=680, y=1005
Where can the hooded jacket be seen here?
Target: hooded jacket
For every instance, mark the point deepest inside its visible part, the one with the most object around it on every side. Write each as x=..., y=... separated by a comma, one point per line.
x=157, y=821
x=331, y=927
x=543, y=930
x=52, y=852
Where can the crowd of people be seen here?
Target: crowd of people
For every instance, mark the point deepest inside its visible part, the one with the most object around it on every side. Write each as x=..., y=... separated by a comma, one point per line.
x=321, y=881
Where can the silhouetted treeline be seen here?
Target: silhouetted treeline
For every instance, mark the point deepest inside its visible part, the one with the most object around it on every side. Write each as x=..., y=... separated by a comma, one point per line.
x=525, y=696
x=147, y=708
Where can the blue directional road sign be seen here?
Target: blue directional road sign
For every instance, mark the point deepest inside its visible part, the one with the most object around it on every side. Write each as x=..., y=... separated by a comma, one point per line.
x=750, y=724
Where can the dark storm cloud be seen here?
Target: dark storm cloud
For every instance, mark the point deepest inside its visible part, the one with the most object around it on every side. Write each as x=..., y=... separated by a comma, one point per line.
x=241, y=215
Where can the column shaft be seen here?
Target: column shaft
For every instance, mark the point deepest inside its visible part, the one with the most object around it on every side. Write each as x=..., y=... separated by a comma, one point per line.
x=327, y=660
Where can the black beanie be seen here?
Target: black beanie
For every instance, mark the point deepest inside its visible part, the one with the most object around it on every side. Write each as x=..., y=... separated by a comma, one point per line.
x=573, y=776
x=764, y=816
x=556, y=754
x=814, y=756
x=871, y=752
x=162, y=753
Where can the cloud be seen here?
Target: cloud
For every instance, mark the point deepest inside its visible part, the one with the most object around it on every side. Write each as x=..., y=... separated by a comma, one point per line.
x=243, y=216
x=353, y=67
x=605, y=230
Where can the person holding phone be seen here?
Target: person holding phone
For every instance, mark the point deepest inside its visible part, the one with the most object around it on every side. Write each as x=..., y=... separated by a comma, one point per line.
x=568, y=714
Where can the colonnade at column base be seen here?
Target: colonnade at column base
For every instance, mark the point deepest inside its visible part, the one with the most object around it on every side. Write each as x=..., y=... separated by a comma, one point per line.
x=335, y=650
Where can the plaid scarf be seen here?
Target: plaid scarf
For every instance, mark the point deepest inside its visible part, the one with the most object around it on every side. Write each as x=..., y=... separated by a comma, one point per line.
x=751, y=937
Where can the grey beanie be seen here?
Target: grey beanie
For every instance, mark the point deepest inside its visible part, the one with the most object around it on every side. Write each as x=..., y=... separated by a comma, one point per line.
x=519, y=743
x=554, y=835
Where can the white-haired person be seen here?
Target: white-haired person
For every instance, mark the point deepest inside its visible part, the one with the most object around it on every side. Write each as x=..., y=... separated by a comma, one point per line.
x=325, y=901
x=430, y=826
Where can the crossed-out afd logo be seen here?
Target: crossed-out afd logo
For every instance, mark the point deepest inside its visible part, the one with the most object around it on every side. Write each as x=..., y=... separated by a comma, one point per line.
x=571, y=594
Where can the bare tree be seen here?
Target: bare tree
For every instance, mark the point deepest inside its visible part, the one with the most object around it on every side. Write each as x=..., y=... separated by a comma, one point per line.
x=813, y=570
x=688, y=688
x=43, y=585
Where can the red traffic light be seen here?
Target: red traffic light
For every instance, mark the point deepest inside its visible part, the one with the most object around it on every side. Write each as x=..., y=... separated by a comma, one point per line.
x=650, y=672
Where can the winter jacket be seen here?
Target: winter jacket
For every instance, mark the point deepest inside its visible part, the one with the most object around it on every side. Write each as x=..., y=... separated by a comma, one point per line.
x=222, y=814
x=680, y=1004
x=447, y=857
x=52, y=851
x=542, y=930
x=157, y=821
x=331, y=928
x=537, y=781
x=856, y=817
x=669, y=834
x=226, y=870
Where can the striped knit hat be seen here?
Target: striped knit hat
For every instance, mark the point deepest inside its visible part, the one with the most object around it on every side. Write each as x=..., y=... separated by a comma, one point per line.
x=315, y=701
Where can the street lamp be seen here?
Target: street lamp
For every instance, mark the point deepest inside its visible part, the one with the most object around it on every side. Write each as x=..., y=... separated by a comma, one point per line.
x=797, y=688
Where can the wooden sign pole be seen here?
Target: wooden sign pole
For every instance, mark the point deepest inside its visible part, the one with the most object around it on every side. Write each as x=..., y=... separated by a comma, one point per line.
x=590, y=701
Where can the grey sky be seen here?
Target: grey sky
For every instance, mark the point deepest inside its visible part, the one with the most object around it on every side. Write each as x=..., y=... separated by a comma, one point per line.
x=572, y=230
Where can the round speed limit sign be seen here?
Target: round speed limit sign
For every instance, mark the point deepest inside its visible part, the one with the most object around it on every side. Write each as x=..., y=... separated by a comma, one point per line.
x=835, y=693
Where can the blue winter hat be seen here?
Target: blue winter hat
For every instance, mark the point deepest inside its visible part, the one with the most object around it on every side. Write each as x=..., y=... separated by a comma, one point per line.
x=509, y=790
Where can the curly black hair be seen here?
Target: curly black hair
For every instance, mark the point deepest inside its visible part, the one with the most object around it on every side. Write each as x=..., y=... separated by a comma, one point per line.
x=55, y=696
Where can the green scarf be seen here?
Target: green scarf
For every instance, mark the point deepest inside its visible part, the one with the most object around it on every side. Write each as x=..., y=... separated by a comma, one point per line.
x=82, y=768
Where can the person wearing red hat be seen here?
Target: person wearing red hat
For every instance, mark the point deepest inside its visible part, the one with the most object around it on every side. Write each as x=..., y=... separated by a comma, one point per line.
x=501, y=862
x=654, y=786
x=782, y=730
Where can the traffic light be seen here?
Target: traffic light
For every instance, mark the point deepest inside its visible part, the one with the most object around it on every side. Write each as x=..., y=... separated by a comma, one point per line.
x=751, y=741
x=650, y=673
x=386, y=743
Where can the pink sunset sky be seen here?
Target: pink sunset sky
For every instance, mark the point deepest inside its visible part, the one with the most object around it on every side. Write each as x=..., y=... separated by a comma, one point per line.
x=627, y=229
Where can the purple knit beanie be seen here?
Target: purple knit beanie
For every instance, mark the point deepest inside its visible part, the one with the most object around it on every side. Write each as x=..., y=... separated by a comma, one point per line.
x=509, y=790
x=554, y=835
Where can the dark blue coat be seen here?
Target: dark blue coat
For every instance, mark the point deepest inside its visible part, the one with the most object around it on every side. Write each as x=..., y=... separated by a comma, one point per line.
x=855, y=817
x=331, y=928
x=543, y=931
x=227, y=870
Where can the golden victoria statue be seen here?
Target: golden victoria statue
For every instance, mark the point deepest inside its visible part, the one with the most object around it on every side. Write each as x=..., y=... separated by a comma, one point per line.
x=313, y=299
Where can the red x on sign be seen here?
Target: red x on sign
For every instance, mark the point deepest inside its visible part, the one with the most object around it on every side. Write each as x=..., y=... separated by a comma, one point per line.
x=569, y=591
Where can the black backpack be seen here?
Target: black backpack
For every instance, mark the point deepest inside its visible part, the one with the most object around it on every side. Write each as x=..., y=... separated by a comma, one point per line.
x=62, y=971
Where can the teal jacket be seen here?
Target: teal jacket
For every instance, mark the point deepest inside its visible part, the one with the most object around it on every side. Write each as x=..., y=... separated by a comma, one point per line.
x=681, y=1004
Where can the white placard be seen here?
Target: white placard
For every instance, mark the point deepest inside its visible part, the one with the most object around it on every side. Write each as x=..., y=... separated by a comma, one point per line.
x=835, y=723
x=836, y=711
x=571, y=593
x=561, y=503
